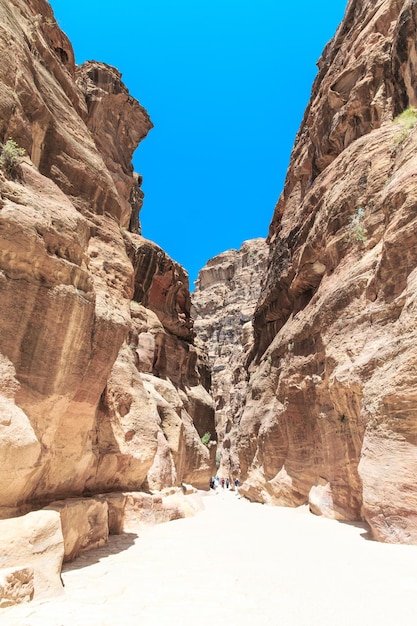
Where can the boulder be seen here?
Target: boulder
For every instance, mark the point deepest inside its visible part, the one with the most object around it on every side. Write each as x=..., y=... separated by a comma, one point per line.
x=31, y=552
x=84, y=522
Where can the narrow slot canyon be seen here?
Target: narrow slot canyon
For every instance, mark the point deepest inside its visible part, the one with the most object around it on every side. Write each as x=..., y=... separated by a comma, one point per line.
x=290, y=369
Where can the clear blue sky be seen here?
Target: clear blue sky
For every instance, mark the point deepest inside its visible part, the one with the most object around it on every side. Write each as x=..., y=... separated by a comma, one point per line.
x=226, y=83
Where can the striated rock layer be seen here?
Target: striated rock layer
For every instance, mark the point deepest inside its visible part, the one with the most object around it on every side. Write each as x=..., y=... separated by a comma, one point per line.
x=99, y=377
x=331, y=413
x=224, y=300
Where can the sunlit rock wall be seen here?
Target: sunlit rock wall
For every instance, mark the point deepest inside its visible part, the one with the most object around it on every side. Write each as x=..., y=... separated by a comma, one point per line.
x=331, y=413
x=87, y=398
x=224, y=300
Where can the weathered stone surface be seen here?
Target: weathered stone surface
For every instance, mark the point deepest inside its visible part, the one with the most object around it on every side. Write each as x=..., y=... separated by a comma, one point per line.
x=223, y=302
x=61, y=329
x=155, y=408
x=146, y=510
x=330, y=413
x=161, y=285
x=116, y=509
x=43, y=109
x=20, y=449
x=85, y=524
x=32, y=545
x=76, y=416
x=16, y=586
x=117, y=123
x=66, y=281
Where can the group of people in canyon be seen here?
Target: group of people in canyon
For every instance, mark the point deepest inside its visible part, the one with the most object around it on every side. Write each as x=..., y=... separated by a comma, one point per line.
x=224, y=483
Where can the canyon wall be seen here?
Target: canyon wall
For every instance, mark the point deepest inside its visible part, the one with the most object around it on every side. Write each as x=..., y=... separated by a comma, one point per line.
x=331, y=411
x=100, y=382
x=103, y=387
x=223, y=303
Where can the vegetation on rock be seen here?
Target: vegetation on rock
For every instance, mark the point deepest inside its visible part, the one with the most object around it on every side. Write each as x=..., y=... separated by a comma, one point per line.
x=407, y=119
x=357, y=231
x=10, y=157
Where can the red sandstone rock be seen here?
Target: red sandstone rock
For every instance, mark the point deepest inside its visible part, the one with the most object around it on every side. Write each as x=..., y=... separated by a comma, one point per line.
x=330, y=414
x=80, y=410
x=155, y=409
x=117, y=123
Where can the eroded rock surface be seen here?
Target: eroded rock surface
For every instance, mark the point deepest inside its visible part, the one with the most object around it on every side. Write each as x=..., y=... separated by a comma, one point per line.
x=31, y=555
x=331, y=410
x=100, y=380
x=155, y=409
x=117, y=123
x=224, y=300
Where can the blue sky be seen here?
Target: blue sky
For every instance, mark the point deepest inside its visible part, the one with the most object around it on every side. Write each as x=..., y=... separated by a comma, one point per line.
x=226, y=83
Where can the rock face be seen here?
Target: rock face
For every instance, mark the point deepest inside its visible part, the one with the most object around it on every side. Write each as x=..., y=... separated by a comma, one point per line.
x=99, y=378
x=224, y=300
x=153, y=410
x=117, y=123
x=84, y=524
x=330, y=416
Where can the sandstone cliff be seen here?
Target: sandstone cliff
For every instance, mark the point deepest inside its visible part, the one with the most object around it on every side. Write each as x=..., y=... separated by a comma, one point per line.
x=100, y=381
x=330, y=416
x=224, y=300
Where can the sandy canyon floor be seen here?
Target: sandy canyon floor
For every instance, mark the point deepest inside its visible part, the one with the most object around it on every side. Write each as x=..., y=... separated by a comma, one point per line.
x=235, y=563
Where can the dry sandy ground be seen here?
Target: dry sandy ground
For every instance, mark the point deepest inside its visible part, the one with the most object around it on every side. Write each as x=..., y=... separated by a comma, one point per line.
x=236, y=563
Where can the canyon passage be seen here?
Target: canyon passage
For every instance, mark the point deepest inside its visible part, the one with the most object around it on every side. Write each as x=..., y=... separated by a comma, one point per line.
x=293, y=365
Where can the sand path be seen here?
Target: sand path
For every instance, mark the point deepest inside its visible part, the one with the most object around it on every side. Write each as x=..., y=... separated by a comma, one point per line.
x=236, y=563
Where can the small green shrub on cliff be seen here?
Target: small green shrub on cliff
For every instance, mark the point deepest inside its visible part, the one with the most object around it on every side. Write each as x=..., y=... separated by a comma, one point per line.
x=10, y=156
x=357, y=231
x=407, y=119
x=206, y=438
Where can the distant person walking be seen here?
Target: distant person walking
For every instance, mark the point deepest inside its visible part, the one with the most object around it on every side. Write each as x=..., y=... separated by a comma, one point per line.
x=237, y=485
